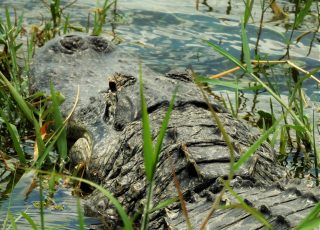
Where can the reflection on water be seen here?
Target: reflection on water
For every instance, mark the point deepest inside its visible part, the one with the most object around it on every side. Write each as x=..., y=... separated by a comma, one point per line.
x=169, y=34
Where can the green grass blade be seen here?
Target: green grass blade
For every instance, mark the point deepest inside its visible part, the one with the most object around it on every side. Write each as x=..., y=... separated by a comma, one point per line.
x=297, y=128
x=15, y=138
x=303, y=13
x=147, y=206
x=4, y=224
x=25, y=109
x=220, y=127
x=228, y=84
x=245, y=48
x=163, y=129
x=311, y=225
x=66, y=24
x=164, y=204
x=148, y=151
x=62, y=139
x=315, y=150
x=257, y=144
x=124, y=217
x=233, y=113
x=237, y=99
x=8, y=18
x=18, y=98
x=227, y=55
x=30, y=220
x=13, y=222
x=52, y=183
x=312, y=220
x=80, y=215
x=248, y=10
x=41, y=204
x=249, y=209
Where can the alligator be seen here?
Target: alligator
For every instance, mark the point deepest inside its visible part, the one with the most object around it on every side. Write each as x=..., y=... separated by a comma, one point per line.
x=105, y=132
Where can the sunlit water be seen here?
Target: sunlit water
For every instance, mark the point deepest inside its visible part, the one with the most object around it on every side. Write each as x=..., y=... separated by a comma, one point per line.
x=170, y=34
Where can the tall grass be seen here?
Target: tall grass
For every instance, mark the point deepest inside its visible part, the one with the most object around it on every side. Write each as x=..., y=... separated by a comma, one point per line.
x=301, y=125
x=151, y=152
x=301, y=11
x=296, y=117
x=234, y=166
x=9, y=32
x=100, y=15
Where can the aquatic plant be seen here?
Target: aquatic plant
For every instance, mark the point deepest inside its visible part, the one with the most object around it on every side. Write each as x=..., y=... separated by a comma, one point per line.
x=301, y=125
x=100, y=15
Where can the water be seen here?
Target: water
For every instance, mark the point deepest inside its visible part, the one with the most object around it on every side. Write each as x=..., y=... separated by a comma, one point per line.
x=24, y=198
x=170, y=34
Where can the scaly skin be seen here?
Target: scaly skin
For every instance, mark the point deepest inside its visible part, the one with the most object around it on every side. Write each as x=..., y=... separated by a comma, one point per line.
x=106, y=132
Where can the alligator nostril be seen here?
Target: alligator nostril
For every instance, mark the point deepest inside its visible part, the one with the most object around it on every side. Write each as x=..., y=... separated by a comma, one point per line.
x=100, y=44
x=72, y=43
